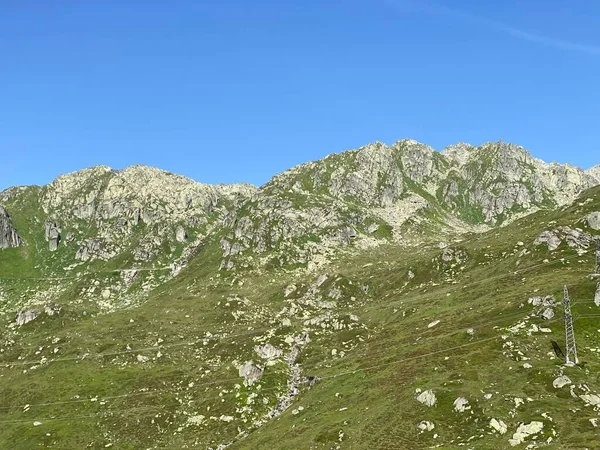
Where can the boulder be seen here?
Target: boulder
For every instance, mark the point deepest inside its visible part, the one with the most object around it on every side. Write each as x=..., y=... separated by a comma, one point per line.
x=591, y=399
x=499, y=426
x=548, y=314
x=548, y=238
x=461, y=405
x=597, y=296
x=561, y=381
x=24, y=317
x=250, y=373
x=426, y=425
x=427, y=398
x=593, y=220
x=524, y=431
x=268, y=352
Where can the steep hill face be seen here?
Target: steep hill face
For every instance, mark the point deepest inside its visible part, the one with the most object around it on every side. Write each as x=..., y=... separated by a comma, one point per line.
x=385, y=297
x=144, y=224
x=140, y=224
x=405, y=192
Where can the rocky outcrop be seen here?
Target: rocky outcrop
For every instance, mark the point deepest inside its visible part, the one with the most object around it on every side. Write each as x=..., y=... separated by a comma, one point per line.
x=250, y=373
x=8, y=235
x=427, y=398
x=181, y=234
x=24, y=317
x=93, y=249
x=52, y=235
x=525, y=431
x=561, y=381
x=593, y=220
x=549, y=239
x=499, y=426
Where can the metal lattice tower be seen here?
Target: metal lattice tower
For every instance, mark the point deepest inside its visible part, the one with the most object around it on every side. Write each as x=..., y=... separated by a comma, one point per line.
x=597, y=269
x=571, y=350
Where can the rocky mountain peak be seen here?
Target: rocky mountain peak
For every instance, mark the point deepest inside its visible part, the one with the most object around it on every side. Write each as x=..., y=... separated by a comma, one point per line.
x=458, y=153
x=594, y=172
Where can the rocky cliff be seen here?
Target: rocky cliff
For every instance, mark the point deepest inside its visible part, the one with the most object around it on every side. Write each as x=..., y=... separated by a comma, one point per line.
x=144, y=219
x=8, y=235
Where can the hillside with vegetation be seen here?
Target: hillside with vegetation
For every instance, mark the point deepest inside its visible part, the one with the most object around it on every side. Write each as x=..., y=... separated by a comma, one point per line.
x=389, y=297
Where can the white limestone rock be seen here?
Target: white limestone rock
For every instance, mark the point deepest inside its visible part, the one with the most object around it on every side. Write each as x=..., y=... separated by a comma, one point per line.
x=461, y=405
x=561, y=382
x=593, y=220
x=425, y=425
x=525, y=431
x=498, y=425
x=250, y=373
x=427, y=398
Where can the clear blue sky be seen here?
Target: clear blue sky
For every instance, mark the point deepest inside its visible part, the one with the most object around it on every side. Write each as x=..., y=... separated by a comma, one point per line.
x=237, y=90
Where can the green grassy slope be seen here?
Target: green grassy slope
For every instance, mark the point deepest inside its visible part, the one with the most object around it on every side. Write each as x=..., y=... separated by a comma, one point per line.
x=88, y=384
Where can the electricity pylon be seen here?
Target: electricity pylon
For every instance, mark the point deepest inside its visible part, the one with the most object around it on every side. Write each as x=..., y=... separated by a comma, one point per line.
x=597, y=269
x=571, y=351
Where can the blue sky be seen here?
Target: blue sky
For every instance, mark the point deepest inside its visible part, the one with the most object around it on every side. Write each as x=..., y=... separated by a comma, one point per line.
x=233, y=90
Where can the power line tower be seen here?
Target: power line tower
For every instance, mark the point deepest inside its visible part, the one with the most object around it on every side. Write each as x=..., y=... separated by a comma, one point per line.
x=597, y=269
x=571, y=350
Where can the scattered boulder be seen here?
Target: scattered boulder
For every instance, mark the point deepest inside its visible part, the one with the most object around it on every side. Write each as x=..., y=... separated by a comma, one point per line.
x=425, y=425
x=428, y=398
x=591, y=399
x=268, y=352
x=548, y=238
x=524, y=431
x=24, y=317
x=461, y=405
x=548, y=314
x=8, y=235
x=51, y=310
x=561, y=381
x=499, y=426
x=433, y=324
x=250, y=373
x=70, y=237
x=577, y=238
x=593, y=220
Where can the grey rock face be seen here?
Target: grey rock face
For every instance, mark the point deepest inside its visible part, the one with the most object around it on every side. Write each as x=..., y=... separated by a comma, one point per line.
x=548, y=314
x=53, y=235
x=548, y=238
x=8, y=235
x=593, y=220
x=181, y=234
x=597, y=296
x=93, y=249
x=24, y=317
x=428, y=398
x=250, y=373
